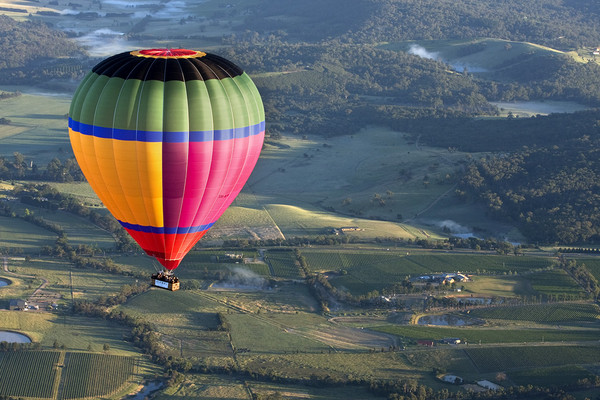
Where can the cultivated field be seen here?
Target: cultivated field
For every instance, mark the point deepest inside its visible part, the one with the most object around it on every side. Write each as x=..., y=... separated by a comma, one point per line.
x=62, y=375
x=561, y=313
x=361, y=271
x=552, y=376
x=506, y=358
x=476, y=335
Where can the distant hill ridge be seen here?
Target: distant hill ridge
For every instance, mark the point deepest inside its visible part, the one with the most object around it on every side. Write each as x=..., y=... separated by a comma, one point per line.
x=558, y=24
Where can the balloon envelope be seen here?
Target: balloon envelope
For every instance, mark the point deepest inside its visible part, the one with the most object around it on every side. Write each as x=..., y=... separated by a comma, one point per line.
x=166, y=139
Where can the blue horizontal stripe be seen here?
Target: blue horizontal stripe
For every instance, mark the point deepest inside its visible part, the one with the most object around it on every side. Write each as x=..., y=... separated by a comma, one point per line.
x=166, y=137
x=166, y=230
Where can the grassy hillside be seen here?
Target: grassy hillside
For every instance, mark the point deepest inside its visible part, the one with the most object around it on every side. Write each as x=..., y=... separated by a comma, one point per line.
x=489, y=58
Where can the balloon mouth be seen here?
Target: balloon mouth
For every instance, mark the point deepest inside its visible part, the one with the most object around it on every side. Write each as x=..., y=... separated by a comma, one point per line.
x=168, y=264
x=168, y=53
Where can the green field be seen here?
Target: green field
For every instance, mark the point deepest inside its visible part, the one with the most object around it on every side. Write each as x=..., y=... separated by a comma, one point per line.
x=88, y=375
x=79, y=230
x=81, y=190
x=398, y=262
x=21, y=236
x=70, y=282
x=363, y=365
x=45, y=126
x=186, y=320
x=506, y=358
x=249, y=332
x=284, y=264
x=361, y=271
x=28, y=373
x=549, y=377
x=73, y=331
x=474, y=335
x=34, y=374
x=562, y=313
x=499, y=286
x=555, y=282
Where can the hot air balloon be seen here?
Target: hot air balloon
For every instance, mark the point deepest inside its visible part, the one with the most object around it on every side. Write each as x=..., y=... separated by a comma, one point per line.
x=166, y=138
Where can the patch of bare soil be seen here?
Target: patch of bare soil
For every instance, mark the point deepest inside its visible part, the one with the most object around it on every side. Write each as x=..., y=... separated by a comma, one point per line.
x=351, y=338
x=255, y=233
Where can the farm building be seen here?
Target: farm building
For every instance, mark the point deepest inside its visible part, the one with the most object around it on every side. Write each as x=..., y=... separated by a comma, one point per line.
x=17, y=304
x=488, y=385
x=231, y=257
x=452, y=379
x=446, y=278
x=427, y=343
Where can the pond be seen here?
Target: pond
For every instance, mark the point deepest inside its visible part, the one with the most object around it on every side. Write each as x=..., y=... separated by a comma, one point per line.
x=4, y=282
x=447, y=320
x=14, y=337
x=529, y=108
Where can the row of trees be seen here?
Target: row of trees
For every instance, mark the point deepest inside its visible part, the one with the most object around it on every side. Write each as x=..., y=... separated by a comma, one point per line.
x=18, y=167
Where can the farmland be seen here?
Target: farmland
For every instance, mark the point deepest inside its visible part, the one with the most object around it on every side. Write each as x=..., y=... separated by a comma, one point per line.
x=552, y=376
x=284, y=264
x=542, y=313
x=361, y=271
x=401, y=263
x=22, y=237
x=474, y=335
x=60, y=375
x=77, y=333
x=365, y=206
x=505, y=358
x=89, y=375
x=30, y=374
x=556, y=282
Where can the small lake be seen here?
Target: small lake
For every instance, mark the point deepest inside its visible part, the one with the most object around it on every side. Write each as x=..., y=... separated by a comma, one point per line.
x=447, y=320
x=4, y=282
x=13, y=337
x=529, y=108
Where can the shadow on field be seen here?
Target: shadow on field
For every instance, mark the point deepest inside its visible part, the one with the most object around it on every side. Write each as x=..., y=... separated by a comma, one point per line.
x=204, y=320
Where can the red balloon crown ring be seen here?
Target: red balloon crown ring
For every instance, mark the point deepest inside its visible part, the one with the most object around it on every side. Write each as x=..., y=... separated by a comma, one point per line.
x=168, y=53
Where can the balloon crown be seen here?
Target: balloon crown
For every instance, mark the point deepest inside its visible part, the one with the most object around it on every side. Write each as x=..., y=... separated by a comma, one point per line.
x=168, y=53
